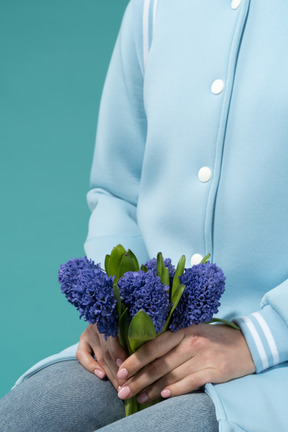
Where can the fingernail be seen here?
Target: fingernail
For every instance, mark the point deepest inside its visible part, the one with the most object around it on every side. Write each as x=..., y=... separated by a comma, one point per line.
x=119, y=362
x=122, y=374
x=124, y=392
x=142, y=398
x=99, y=373
x=119, y=388
x=165, y=394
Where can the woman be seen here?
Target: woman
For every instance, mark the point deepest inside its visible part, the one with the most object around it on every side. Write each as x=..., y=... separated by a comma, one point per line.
x=191, y=158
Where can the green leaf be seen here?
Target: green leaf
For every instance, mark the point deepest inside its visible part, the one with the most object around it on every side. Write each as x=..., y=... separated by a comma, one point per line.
x=144, y=268
x=178, y=273
x=126, y=265
x=177, y=294
x=176, y=290
x=122, y=320
x=120, y=306
x=123, y=331
x=134, y=260
x=114, y=261
x=106, y=263
x=228, y=323
x=165, y=276
x=141, y=330
x=205, y=259
x=160, y=264
x=162, y=271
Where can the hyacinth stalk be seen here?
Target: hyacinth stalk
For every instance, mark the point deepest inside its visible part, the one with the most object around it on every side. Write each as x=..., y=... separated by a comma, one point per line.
x=137, y=327
x=139, y=304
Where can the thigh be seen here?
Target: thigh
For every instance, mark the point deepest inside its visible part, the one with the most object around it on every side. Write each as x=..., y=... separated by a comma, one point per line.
x=63, y=397
x=194, y=412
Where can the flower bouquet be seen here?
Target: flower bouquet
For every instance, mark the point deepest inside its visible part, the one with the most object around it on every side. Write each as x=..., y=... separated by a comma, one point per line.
x=137, y=304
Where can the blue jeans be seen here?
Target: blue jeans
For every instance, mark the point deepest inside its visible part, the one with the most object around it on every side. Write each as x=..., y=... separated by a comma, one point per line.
x=64, y=397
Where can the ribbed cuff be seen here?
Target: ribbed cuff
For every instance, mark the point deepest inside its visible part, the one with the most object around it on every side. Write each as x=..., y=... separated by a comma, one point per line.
x=267, y=337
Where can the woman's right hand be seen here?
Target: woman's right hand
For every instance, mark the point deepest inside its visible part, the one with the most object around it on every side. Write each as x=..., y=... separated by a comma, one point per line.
x=109, y=354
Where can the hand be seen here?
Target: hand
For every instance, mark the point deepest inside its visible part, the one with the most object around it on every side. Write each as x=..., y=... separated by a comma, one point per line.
x=178, y=363
x=109, y=354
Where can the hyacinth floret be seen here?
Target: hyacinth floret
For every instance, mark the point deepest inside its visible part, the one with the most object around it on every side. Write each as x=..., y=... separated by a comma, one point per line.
x=145, y=291
x=90, y=290
x=152, y=265
x=205, y=283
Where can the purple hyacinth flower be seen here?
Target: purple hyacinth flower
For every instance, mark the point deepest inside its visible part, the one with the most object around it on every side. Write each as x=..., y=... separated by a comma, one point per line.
x=152, y=265
x=90, y=290
x=205, y=283
x=145, y=291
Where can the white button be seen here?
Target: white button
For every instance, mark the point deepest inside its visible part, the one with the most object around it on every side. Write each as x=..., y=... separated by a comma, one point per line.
x=204, y=174
x=217, y=86
x=235, y=4
x=196, y=259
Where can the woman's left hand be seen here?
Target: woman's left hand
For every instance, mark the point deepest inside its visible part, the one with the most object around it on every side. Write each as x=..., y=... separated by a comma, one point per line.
x=177, y=363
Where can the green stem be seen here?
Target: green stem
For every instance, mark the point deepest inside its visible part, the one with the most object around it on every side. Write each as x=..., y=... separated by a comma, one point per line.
x=228, y=323
x=131, y=406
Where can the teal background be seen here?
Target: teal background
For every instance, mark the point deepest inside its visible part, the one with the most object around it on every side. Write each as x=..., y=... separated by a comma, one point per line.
x=54, y=57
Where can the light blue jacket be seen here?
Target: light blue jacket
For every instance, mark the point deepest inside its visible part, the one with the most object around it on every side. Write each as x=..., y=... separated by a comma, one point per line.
x=191, y=158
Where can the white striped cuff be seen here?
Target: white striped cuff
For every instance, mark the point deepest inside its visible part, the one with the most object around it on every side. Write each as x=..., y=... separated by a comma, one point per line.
x=267, y=337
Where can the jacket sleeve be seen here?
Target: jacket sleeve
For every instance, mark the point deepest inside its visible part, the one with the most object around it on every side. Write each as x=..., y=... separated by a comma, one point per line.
x=120, y=141
x=266, y=331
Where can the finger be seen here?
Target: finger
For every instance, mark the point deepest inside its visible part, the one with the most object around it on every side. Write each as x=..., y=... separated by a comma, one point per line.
x=189, y=368
x=148, y=352
x=85, y=356
x=104, y=361
x=174, y=365
x=117, y=353
x=189, y=383
x=107, y=362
